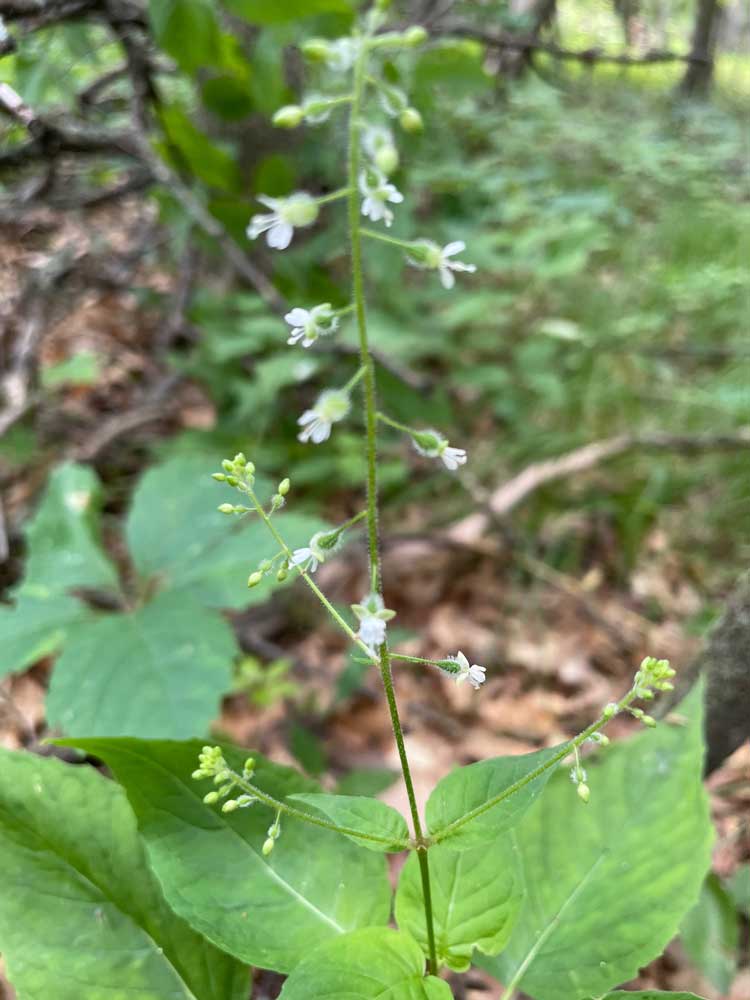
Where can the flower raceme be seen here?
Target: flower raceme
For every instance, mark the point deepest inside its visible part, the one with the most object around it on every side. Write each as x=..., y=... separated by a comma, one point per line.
x=287, y=214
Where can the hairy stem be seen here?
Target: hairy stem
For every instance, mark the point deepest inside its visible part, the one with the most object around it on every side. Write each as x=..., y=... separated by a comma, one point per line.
x=358, y=298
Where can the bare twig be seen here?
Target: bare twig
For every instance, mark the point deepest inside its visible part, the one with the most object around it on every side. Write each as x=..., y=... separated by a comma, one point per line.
x=539, y=474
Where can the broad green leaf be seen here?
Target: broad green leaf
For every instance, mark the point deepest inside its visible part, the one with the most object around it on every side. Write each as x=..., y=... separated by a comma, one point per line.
x=364, y=815
x=369, y=964
x=468, y=788
x=176, y=534
x=475, y=902
x=81, y=914
x=268, y=911
x=62, y=536
x=188, y=31
x=35, y=627
x=275, y=11
x=211, y=164
x=157, y=671
x=710, y=934
x=367, y=781
x=606, y=884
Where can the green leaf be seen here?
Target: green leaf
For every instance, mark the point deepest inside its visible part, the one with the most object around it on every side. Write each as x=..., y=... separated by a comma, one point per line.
x=81, y=914
x=188, y=31
x=268, y=911
x=176, y=534
x=62, y=536
x=363, y=814
x=367, y=781
x=649, y=995
x=160, y=670
x=475, y=902
x=227, y=96
x=710, y=934
x=468, y=788
x=211, y=164
x=369, y=964
x=606, y=884
x=275, y=11
x=35, y=627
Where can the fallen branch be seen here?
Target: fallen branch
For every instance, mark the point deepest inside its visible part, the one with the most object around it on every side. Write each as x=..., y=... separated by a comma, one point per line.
x=508, y=496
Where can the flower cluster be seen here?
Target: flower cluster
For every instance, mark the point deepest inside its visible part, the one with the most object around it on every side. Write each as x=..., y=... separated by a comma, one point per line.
x=212, y=764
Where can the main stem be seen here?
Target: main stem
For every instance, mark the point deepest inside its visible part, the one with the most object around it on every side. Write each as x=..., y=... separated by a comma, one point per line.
x=358, y=298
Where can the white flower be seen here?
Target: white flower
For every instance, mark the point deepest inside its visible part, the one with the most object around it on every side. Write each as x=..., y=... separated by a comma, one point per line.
x=309, y=324
x=308, y=557
x=434, y=445
x=332, y=405
x=457, y=667
x=287, y=214
x=372, y=616
x=377, y=193
x=341, y=54
x=429, y=256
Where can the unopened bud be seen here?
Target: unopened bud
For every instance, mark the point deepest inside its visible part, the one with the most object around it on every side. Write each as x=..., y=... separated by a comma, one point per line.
x=411, y=120
x=316, y=49
x=211, y=798
x=230, y=805
x=609, y=711
x=649, y=721
x=239, y=458
x=197, y=775
x=415, y=35
x=219, y=477
x=282, y=574
x=254, y=579
x=386, y=158
x=289, y=116
x=249, y=765
x=268, y=846
x=584, y=792
x=226, y=508
x=284, y=487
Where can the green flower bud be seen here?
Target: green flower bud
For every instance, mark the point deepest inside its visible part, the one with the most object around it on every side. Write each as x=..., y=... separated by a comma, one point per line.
x=227, y=465
x=289, y=116
x=249, y=468
x=264, y=565
x=254, y=579
x=411, y=120
x=609, y=711
x=249, y=766
x=284, y=487
x=416, y=35
x=268, y=846
x=219, y=477
x=197, y=775
x=230, y=805
x=316, y=49
x=282, y=574
x=649, y=721
x=211, y=798
x=584, y=792
x=239, y=458
x=226, y=508
x=386, y=159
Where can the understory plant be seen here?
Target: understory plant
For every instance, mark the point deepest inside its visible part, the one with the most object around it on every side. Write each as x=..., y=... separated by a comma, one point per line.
x=561, y=872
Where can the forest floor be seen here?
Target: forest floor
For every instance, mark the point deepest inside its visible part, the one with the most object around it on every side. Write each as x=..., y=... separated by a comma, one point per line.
x=556, y=648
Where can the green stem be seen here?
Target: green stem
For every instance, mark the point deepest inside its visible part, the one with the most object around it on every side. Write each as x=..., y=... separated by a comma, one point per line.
x=358, y=298
x=373, y=234
x=394, y=423
x=570, y=747
x=282, y=807
x=338, y=195
x=354, y=379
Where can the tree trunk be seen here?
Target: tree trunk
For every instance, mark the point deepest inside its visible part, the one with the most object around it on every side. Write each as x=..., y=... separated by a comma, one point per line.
x=697, y=79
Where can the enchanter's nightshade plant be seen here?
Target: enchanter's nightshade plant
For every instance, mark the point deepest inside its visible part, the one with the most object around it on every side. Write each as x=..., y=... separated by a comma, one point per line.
x=245, y=862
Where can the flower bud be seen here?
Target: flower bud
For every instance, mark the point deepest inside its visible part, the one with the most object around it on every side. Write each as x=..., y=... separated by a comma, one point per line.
x=264, y=565
x=249, y=766
x=254, y=579
x=411, y=120
x=211, y=798
x=198, y=774
x=239, y=458
x=649, y=721
x=282, y=574
x=290, y=116
x=227, y=465
x=230, y=805
x=219, y=477
x=386, y=159
x=284, y=487
x=584, y=792
x=609, y=711
x=416, y=35
x=268, y=846
x=226, y=508
x=316, y=49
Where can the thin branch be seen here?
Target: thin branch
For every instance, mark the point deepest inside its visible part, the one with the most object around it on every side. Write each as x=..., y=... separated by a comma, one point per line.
x=513, y=492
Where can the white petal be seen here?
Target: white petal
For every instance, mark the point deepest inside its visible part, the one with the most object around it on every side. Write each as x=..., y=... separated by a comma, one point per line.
x=307, y=417
x=396, y=197
x=269, y=202
x=280, y=236
x=297, y=317
x=453, y=248
x=259, y=224
x=446, y=277
x=321, y=431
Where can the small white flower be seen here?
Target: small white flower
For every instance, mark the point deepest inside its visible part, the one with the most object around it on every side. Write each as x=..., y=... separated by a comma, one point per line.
x=461, y=671
x=377, y=192
x=342, y=54
x=309, y=324
x=332, y=405
x=373, y=617
x=287, y=214
x=433, y=445
x=309, y=557
x=429, y=256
